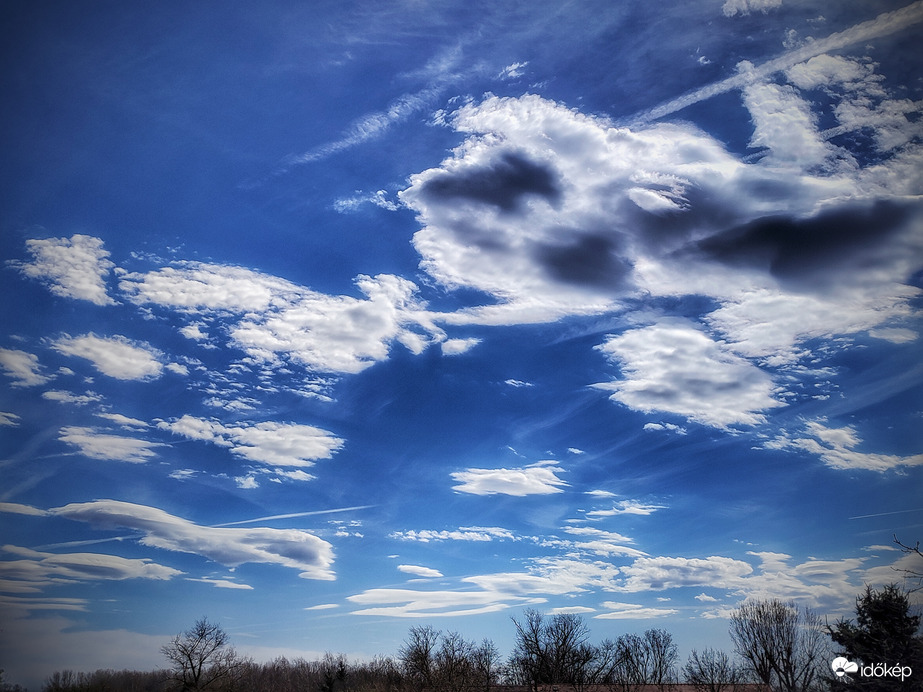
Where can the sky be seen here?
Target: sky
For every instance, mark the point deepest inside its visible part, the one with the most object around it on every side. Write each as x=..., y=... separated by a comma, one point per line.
x=324, y=320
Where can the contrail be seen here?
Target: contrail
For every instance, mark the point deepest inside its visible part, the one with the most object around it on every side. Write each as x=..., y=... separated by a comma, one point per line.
x=293, y=515
x=884, y=24
x=885, y=514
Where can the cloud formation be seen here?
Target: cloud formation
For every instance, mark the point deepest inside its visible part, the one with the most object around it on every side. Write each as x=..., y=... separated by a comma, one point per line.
x=273, y=319
x=535, y=479
x=675, y=368
x=115, y=356
x=22, y=367
x=96, y=444
x=268, y=442
x=75, y=267
x=231, y=547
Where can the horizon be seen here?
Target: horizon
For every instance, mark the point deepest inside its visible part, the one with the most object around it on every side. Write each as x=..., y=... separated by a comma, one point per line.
x=328, y=320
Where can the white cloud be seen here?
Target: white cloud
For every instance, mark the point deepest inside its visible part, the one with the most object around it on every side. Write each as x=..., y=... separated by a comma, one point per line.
x=632, y=611
x=22, y=367
x=705, y=598
x=518, y=383
x=72, y=268
x=9, y=419
x=576, y=610
x=836, y=447
x=378, y=198
x=513, y=71
x=223, y=583
x=93, y=443
x=599, y=542
x=268, y=442
x=411, y=603
x=454, y=347
x=273, y=318
x=16, y=508
x=624, y=507
x=115, y=356
x=419, y=571
x=672, y=427
x=481, y=534
x=246, y=482
x=674, y=367
x=123, y=421
x=535, y=479
x=227, y=546
x=744, y=7
x=39, y=568
x=323, y=606
x=63, y=397
x=659, y=573
x=784, y=124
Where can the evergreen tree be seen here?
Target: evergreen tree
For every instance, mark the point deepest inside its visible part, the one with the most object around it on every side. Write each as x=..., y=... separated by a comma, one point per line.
x=885, y=632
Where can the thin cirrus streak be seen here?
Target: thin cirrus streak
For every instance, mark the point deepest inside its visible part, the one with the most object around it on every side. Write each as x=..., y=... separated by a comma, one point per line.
x=294, y=515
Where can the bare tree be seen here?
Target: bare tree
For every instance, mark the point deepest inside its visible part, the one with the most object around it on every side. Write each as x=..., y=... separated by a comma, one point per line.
x=661, y=657
x=785, y=647
x=712, y=671
x=202, y=658
x=486, y=665
x=418, y=656
x=916, y=572
x=552, y=650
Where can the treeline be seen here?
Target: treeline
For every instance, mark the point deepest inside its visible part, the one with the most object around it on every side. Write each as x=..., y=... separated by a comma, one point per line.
x=777, y=647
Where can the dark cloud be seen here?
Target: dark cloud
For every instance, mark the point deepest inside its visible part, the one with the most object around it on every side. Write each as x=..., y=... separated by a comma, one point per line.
x=590, y=261
x=805, y=252
x=502, y=184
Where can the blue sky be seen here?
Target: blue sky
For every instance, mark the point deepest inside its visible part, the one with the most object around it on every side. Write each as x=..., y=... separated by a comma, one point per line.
x=325, y=320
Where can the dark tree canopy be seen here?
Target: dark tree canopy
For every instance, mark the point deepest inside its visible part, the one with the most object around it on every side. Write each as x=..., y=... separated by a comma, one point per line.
x=885, y=631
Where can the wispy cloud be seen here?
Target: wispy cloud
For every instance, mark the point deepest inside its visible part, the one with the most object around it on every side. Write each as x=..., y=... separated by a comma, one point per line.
x=98, y=444
x=293, y=548
x=22, y=367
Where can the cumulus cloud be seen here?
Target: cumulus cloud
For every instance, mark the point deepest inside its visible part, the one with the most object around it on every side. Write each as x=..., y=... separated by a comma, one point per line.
x=535, y=479
x=272, y=318
x=836, y=447
x=419, y=571
x=465, y=533
x=115, y=356
x=675, y=368
x=75, y=267
x=231, y=547
x=22, y=367
x=268, y=442
x=744, y=7
x=454, y=347
x=97, y=444
x=63, y=397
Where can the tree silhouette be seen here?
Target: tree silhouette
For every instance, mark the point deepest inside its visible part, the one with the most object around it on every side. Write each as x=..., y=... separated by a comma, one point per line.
x=202, y=658
x=884, y=632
